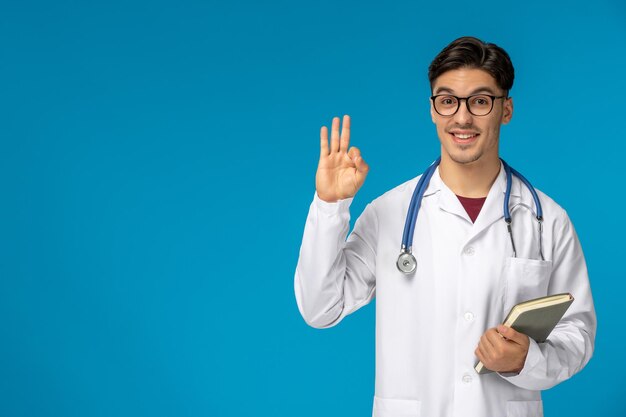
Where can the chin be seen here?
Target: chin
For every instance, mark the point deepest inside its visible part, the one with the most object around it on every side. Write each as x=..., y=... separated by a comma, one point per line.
x=464, y=158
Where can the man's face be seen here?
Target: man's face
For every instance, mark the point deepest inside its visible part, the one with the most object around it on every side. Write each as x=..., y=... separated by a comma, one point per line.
x=466, y=138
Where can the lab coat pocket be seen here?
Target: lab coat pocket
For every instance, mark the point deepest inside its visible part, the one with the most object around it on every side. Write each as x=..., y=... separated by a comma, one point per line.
x=387, y=407
x=524, y=409
x=525, y=279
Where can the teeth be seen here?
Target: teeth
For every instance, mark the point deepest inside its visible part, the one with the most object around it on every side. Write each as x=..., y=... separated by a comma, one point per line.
x=460, y=136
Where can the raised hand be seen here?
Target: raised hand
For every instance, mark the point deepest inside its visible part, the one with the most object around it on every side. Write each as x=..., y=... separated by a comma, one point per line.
x=341, y=171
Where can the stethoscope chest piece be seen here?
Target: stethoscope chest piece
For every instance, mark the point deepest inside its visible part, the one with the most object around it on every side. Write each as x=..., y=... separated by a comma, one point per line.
x=406, y=262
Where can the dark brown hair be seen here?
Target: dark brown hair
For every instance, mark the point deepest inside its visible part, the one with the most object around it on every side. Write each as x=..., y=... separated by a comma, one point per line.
x=470, y=52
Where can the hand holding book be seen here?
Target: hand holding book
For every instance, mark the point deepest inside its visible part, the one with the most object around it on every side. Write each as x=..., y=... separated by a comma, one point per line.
x=533, y=318
x=503, y=349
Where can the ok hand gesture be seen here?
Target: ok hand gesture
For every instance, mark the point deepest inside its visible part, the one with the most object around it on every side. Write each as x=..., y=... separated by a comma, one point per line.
x=340, y=172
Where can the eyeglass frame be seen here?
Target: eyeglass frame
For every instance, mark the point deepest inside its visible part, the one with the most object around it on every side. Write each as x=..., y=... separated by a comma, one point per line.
x=458, y=103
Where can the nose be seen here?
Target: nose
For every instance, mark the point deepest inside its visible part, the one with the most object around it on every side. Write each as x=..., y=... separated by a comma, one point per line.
x=463, y=116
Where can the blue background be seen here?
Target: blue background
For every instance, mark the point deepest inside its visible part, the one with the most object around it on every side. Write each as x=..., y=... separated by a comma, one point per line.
x=157, y=163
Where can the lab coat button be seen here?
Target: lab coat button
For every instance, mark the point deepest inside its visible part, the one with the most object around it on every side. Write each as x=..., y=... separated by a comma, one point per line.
x=469, y=316
x=469, y=250
x=467, y=378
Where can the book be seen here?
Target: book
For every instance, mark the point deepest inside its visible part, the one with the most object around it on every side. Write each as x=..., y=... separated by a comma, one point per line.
x=535, y=318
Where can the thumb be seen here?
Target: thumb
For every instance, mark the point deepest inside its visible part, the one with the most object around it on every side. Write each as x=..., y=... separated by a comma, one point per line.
x=512, y=334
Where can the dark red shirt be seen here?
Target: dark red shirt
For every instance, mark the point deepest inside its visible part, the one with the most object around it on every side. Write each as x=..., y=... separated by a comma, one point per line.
x=472, y=205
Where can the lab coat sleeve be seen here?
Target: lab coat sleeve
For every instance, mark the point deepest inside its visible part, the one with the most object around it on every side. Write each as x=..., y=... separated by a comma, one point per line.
x=570, y=345
x=334, y=276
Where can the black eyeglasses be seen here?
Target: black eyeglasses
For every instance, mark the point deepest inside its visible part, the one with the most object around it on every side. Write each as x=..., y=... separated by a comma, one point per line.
x=478, y=104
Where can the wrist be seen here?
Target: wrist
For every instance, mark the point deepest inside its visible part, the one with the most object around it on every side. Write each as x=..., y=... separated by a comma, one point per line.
x=325, y=198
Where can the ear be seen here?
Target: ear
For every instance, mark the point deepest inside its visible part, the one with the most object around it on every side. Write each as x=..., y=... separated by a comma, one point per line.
x=507, y=113
x=432, y=111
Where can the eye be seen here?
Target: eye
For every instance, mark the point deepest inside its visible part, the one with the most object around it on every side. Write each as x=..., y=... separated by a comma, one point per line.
x=447, y=101
x=481, y=101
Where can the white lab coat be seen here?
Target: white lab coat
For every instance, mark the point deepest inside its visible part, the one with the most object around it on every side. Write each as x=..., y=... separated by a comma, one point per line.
x=428, y=325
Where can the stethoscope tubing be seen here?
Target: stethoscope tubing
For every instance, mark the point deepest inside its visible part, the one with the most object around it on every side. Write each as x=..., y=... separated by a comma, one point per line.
x=418, y=194
x=509, y=170
x=415, y=207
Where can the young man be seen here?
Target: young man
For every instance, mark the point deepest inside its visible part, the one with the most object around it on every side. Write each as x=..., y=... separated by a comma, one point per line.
x=435, y=323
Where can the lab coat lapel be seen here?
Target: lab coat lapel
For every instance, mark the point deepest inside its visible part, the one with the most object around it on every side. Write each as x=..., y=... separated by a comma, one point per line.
x=493, y=209
x=447, y=200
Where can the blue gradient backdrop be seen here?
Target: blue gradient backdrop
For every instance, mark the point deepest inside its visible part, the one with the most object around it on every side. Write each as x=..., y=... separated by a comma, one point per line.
x=157, y=162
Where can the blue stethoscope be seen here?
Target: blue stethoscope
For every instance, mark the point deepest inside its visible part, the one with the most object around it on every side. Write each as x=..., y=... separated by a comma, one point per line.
x=406, y=261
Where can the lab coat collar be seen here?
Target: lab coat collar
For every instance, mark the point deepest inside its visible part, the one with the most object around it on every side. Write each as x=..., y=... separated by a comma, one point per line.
x=436, y=184
x=491, y=211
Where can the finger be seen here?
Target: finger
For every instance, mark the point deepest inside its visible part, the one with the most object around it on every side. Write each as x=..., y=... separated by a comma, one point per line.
x=354, y=152
x=512, y=335
x=334, y=135
x=324, y=141
x=361, y=165
x=495, y=338
x=485, y=346
x=481, y=354
x=345, y=134
x=355, y=155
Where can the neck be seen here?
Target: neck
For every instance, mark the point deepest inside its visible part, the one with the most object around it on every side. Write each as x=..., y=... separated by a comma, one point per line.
x=472, y=180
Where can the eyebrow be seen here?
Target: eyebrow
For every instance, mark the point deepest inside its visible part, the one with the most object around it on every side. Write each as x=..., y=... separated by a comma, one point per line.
x=448, y=90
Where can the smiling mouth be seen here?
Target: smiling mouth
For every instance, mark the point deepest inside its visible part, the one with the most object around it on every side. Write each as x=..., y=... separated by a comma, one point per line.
x=464, y=138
